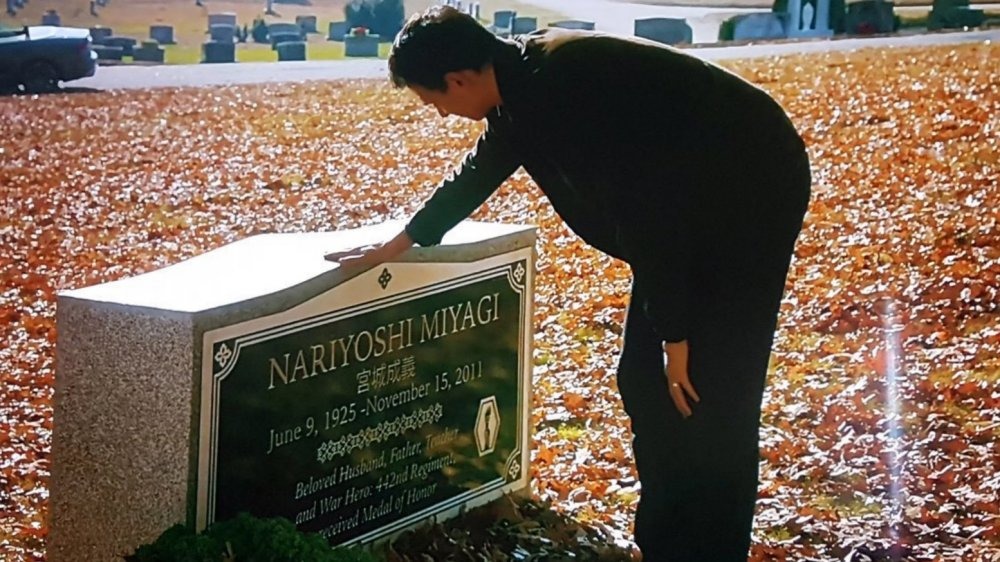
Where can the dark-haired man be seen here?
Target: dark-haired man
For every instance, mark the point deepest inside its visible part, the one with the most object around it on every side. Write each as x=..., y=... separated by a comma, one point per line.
x=690, y=174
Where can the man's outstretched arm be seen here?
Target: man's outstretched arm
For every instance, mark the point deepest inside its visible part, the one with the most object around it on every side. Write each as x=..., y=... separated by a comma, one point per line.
x=482, y=171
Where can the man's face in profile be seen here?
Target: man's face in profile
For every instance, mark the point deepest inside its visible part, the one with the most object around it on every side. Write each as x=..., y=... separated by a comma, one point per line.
x=463, y=96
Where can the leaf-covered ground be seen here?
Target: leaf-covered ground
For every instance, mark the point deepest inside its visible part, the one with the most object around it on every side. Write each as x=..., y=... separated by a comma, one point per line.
x=881, y=435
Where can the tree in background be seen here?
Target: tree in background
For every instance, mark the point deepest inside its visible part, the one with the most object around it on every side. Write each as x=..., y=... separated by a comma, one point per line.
x=382, y=17
x=389, y=18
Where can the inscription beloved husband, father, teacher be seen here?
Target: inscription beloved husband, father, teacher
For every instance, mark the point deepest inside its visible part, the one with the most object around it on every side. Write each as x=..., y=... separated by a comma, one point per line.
x=359, y=422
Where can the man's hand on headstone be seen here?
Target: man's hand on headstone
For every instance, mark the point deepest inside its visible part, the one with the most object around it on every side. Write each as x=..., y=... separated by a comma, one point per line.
x=363, y=256
x=371, y=255
x=350, y=254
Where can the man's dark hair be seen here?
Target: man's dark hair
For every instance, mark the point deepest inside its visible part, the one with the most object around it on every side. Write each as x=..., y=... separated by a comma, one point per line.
x=438, y=41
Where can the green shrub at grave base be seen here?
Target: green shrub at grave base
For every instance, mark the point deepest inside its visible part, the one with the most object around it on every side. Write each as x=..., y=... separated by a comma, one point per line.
x=245, y=538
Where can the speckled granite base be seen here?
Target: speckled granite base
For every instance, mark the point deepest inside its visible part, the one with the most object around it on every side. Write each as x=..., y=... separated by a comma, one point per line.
x=126, y=420
x=121, y=445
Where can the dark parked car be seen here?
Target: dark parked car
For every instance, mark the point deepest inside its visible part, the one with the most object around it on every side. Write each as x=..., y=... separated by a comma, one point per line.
x=37, y=58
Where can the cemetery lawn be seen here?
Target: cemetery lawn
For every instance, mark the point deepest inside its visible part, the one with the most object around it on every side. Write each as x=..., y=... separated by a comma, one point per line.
x=249, y=52
x=881, y=424
x=132, y=18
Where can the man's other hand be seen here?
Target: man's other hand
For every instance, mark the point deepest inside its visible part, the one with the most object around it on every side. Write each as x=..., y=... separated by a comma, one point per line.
x=677, y=377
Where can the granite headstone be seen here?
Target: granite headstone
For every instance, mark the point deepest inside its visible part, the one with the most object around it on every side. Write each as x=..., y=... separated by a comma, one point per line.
x=222, y=33
x=150, y=51
x=162, y=34
x=523, y=24
x=573, y=24
x=503, y=20
x=758, y=25
x=99, y=34
x=51, y=17
x=279, y=38
x=287, y=28
x=670, y=31
x=291, y=50
x=307, y=23
x=947, y=14
x=218, y=52
x=126, y=43
x=337, y=31
x=361, y=46
x=259, y=377
x=107, y=53
x=225, y=18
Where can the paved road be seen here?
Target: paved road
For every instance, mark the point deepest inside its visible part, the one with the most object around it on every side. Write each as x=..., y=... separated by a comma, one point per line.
x=130, y=77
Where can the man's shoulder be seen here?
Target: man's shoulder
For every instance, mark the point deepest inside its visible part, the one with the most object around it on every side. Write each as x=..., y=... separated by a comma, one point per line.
x=547, y=42
x=571, y=46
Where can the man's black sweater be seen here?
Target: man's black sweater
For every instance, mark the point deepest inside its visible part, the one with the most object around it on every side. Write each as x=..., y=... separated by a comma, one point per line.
x=647, y=153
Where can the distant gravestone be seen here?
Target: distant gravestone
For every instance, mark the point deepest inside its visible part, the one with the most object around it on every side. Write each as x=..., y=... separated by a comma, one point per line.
x=162, y=34
x=51, y=17
x=573, y=24
x=224, y=18
x=218, y=52
x=150, y=51
x=222, y=33
x=869, y=17
x=357, y=404
x=126, y=43
x=293, y=50
x=99, y=34
x=107, y=53
x=361, y=46
x=337, y=31
x=952, y=14
x=285, y=28
x=306, y=23
x=523, y=24
x=670, y=31
x=809, y=18
x=757, y=26
x=279, y=38
x=503, y=20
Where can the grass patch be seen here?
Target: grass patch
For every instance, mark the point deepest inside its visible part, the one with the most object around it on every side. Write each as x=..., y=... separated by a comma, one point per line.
x=913, y=20
x=571, y=431
x=254, y=52
x=624, y=499
x=847, y=505
x=777, y=534
x=948, y=378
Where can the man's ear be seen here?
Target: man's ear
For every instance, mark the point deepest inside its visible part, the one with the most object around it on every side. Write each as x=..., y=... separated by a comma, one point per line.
x=455, y=78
